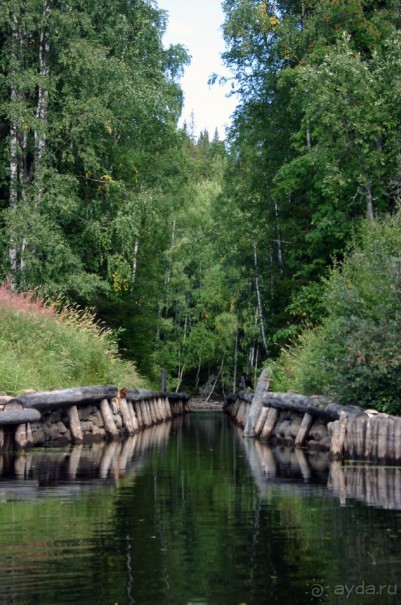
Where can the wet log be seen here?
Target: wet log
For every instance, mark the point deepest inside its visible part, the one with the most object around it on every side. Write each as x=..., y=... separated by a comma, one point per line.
x=261, y=421
x=29, y=435
x=339, y=428
x=360, y=435
x=138, y=411
x=48, y=400
x=397, y=439
x=257, y=403
x=109, y=424
x=134, y=419
x=269, y=425
x=382, y=437
x=9, y=417
x=162, y=409
x=22, y=437
x=126, y=416
x=315, y=406
x=168, y=408
x=75, y=425
x=304, y=429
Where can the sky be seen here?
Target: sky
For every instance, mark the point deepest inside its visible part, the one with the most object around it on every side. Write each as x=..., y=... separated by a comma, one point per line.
x=196, y=25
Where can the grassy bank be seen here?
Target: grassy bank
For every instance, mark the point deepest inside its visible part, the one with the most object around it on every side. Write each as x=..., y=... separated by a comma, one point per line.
x=44, y=348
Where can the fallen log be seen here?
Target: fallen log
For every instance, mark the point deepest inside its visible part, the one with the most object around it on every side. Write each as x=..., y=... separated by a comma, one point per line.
x=146, y=394
x=48, y=400
x=16, y=417
x=314, y=406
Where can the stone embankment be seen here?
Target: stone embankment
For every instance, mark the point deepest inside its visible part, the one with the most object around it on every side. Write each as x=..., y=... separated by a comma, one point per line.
x=83, y=415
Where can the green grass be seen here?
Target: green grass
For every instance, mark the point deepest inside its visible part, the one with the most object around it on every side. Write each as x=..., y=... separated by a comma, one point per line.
x=43, y=348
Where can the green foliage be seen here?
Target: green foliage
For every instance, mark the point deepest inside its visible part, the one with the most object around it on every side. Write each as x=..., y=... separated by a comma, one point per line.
x=355, y=355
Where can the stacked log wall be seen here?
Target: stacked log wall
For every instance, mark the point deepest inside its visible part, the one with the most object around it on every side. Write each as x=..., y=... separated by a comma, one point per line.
x=85, y=415
x=347, y=432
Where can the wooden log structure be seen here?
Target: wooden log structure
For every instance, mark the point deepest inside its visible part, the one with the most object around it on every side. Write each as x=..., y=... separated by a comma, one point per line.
x=48, y=400
x=75, y=425
x=10, y=417
x=109, y=424
x=257, y=404
x=304, y=429
x=346, y=431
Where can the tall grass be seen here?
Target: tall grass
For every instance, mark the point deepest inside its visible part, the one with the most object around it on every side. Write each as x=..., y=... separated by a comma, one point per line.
x=44, y=348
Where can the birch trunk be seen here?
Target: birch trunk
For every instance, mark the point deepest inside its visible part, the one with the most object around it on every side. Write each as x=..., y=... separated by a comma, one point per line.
x=259, y=300
x=279, y=244
x=42, y=105
x=369, y=202
x=13, y=193
x=135, y=260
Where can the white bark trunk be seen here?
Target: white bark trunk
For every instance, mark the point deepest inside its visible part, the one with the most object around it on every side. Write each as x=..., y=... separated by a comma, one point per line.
x=369, y=202
x=135, y=260
x=42, y=105
x=259, y=300
x=279, y=245
x=13, y=193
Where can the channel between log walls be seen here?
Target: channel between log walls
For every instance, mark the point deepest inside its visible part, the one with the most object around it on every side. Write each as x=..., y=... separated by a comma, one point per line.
x=346, y=432
x=83, y=415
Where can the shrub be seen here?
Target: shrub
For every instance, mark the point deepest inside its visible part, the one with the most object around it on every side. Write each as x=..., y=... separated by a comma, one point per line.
x=355, y=355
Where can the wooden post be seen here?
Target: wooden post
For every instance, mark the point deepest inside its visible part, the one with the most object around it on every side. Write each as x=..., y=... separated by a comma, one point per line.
x=397, y=444
x=338, y=437
x=137, y=409
x=20, y=437
x=303, y=430
x=269, y=425
x=162, y=411
x=257, y=403
x=126, y=416
x=29, y=436
x=109, y=424
x=360, y=432
x=168, y=406
x=368, y=438
x=75, y=425
x=163, y=381
x=134, y=419
x=391, y=439
x=261, y=420
x=157, y=409
x=382, y=436
x=146, y=409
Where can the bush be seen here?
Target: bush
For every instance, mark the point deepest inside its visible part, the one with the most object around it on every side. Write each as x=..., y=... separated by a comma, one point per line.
x=355, y=355
x=43, y=348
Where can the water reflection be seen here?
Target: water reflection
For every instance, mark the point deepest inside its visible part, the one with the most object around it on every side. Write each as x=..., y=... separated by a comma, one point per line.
x=41, y=472
x=374, y=485
x=190, y=512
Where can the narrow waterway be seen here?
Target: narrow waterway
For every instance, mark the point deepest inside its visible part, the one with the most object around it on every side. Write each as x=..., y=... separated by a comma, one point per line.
x=190, y=513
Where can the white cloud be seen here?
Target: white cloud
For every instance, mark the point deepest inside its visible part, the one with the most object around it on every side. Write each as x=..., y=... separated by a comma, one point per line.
x=196, y=25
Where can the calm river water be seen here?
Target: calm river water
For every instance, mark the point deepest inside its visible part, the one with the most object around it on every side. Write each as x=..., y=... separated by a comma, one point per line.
x=190, y=513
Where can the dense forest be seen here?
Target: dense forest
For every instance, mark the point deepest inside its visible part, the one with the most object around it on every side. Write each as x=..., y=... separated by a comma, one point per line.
x=280, y=245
